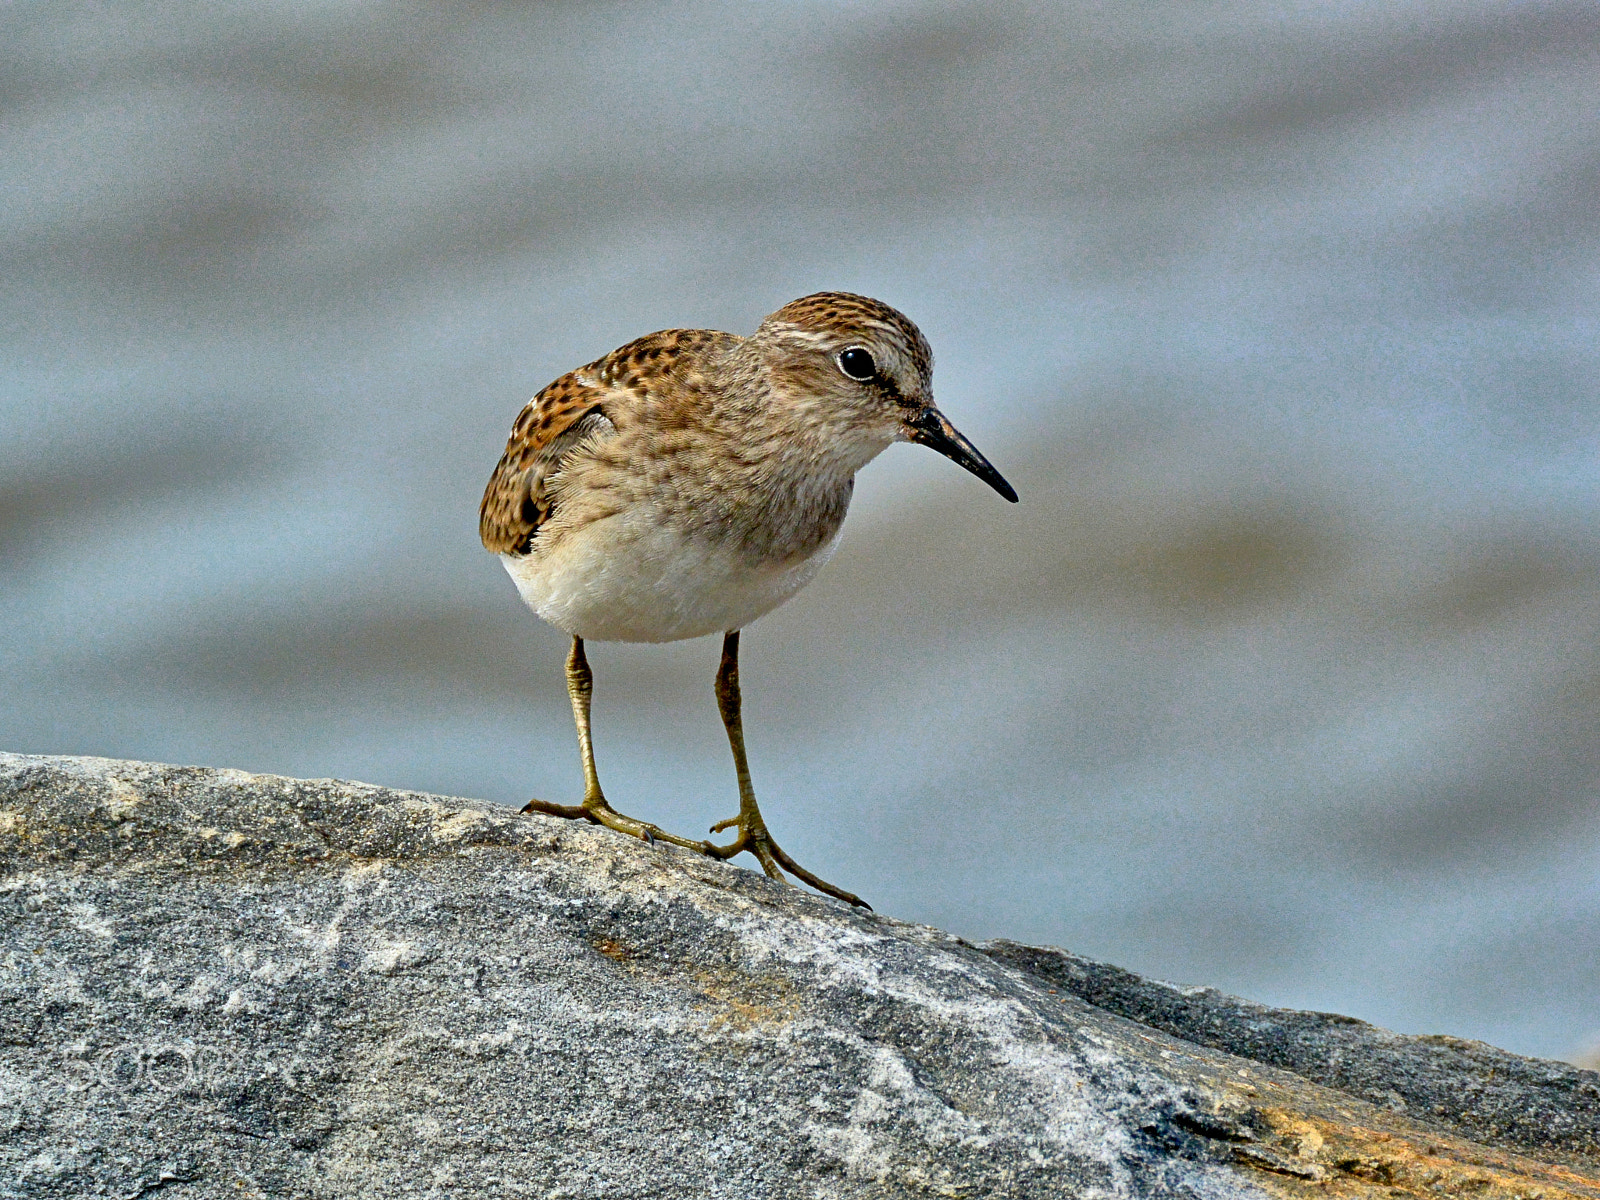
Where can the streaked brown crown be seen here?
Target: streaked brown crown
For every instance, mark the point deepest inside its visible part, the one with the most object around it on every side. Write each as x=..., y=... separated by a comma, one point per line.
x=839, y=312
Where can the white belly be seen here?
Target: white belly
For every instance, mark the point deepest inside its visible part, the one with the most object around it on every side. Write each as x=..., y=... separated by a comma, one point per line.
x=613, y=580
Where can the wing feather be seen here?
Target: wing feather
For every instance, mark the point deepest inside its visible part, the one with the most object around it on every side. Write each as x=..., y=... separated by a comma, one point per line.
x=559, y=420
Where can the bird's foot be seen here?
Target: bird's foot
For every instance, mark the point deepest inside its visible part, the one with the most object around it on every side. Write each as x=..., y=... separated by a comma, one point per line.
x=755, y=838
x=597, y=811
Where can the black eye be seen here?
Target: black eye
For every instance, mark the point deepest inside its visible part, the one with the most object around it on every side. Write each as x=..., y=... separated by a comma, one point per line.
x=857, y=363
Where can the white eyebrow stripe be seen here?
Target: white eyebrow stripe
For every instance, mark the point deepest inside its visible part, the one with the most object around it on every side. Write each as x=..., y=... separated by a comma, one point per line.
x=814, y=336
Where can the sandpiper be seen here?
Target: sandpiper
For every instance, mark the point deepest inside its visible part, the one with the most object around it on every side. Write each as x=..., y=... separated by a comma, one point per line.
x=692, y=481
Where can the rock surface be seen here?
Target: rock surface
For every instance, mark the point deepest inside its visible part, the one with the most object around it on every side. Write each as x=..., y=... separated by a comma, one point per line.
x=220, y=984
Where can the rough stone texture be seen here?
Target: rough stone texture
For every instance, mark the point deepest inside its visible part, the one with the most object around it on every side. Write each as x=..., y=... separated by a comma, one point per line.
x=219, y=984
x=1452, y=1084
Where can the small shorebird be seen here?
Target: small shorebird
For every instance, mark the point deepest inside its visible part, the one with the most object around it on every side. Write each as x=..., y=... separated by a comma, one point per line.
x=691, y=481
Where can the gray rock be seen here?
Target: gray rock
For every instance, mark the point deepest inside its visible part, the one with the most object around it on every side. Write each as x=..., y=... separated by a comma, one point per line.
x=220, y=984
x=1447, y=1083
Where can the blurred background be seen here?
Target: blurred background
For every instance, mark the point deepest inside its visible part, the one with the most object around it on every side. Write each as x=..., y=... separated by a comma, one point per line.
x=1284, y=676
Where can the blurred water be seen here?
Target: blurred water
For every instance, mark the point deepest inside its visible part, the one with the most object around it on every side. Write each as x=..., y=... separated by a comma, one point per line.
x=1284, y=676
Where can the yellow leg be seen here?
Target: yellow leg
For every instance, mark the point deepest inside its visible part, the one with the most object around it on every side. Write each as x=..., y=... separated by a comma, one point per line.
x=753, y=835
x=595, y=808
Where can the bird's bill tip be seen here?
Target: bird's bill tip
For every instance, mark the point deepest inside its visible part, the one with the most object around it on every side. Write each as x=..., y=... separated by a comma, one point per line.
x=932, y=428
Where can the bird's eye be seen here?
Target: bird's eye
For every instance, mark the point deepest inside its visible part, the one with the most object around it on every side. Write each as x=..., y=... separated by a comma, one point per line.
x=857, y=363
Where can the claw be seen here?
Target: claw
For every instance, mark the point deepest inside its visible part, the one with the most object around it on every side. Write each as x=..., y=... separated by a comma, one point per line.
x=774, y=861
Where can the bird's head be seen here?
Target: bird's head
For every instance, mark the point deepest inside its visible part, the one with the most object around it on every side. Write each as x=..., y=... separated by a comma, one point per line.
x=861, y=372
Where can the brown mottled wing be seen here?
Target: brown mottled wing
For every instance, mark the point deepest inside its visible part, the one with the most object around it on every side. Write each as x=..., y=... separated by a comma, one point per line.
x=555, y=422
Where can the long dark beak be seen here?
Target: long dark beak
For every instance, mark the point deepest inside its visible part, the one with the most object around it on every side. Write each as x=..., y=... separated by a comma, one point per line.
x=930, y=428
